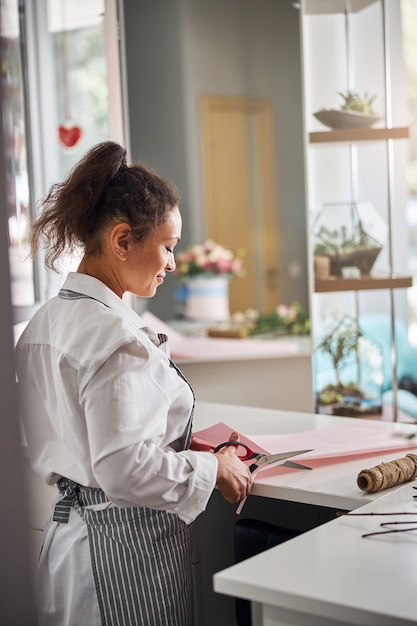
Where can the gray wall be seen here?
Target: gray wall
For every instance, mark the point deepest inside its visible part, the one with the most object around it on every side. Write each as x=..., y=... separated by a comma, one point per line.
x=15, y=580
x=178, y=50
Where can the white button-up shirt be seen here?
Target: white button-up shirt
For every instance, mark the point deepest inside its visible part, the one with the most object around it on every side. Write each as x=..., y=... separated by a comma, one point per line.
x=101, y=404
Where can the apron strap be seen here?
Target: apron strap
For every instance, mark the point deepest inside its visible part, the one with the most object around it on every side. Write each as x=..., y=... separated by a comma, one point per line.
x=69, y=491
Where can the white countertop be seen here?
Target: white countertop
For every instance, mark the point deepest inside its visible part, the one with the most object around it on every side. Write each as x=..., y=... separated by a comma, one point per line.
x=189, y=343
x=330, y=486
x=332, y=572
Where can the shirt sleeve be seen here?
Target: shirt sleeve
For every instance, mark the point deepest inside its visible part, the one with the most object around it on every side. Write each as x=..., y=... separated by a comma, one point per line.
x=136, y=406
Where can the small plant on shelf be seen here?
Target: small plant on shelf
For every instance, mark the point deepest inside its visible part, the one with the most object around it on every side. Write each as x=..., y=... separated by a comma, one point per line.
x=330, y=241
x=341, y=345
x=353, y=102
x=340, y=235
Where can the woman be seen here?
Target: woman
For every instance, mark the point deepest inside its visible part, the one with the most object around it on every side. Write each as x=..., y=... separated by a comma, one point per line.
x=107, y=415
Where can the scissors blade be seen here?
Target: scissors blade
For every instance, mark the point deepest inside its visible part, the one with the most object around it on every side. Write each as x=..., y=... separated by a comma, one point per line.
x=267, y=459
x=294, y=465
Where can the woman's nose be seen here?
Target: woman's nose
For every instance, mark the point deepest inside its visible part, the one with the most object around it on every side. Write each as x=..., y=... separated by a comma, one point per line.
x=171, y=265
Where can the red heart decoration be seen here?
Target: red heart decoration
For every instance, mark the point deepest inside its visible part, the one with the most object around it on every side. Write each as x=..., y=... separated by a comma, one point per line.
x=69, y=135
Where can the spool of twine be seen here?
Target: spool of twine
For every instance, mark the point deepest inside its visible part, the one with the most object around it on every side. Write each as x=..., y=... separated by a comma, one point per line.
x=388, y=474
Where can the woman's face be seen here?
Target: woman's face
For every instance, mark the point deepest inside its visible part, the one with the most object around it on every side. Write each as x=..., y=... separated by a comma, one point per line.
x=148, y=261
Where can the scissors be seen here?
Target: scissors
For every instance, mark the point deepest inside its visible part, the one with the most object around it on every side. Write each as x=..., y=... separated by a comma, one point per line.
x=263, y=459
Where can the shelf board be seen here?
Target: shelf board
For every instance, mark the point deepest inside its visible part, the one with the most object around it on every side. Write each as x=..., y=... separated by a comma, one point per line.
x=359, y=134
x=362, y=284
x=316, y=7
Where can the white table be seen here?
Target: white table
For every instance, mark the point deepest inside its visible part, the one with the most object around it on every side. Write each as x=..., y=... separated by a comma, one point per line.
x=331, y=486
x=260, y=372
x=332, y=575
x=327, y=574
x=283, y=380
x=278, y=498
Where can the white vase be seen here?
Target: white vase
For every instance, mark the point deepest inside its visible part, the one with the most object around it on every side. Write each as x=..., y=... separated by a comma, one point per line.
x=208, y=298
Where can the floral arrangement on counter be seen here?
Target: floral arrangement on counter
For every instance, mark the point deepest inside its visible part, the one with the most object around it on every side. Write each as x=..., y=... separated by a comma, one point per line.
x=286, y=319
x=208, y=259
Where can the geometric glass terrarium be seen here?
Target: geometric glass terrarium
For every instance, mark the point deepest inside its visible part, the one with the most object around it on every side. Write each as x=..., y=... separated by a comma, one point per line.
x=348, y=238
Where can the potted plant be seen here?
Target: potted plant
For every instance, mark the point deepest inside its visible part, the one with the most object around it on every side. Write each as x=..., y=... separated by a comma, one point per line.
x=342, y=346
x=356, y=112
x=341, y=237
x=354, y=102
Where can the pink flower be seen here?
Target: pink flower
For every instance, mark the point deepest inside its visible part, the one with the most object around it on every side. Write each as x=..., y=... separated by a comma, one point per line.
x=287, y=312
x=223, y=265
x=208, y=258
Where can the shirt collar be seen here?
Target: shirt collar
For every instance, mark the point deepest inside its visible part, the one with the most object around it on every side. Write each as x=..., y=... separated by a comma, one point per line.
x=94, y=288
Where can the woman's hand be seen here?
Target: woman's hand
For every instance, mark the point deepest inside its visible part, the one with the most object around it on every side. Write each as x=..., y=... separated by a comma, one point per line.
x=234, y=479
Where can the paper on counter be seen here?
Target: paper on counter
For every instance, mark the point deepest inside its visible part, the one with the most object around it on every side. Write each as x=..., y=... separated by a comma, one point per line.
x=327, y=444
x=361, y=438
x=220, y=432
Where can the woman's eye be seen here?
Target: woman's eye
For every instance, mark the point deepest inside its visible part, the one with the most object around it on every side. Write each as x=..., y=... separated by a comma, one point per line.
x=170, y=250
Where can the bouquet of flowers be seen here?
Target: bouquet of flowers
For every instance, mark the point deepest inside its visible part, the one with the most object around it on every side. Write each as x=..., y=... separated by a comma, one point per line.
x=208, y=259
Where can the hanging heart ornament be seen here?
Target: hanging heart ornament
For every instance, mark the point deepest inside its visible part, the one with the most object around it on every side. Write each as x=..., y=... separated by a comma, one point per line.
x=69, y=136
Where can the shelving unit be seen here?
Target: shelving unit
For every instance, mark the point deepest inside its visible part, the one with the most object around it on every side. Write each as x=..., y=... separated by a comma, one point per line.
x=364, y=283
x=342, y=63
x=354, y=135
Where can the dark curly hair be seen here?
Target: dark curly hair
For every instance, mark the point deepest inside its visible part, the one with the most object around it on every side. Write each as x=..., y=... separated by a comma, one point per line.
x=100, y=190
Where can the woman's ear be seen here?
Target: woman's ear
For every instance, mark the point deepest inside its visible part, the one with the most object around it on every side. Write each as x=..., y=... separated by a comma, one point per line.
x=119, y=240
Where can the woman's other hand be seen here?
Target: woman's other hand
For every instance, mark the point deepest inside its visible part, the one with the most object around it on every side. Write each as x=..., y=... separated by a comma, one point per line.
x=234, y=479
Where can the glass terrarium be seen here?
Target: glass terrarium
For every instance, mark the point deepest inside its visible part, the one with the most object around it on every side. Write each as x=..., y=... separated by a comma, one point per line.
x=348, y=238
x=348, y=372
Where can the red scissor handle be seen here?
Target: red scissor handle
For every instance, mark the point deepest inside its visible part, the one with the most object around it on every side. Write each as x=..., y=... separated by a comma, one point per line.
x=247, y=454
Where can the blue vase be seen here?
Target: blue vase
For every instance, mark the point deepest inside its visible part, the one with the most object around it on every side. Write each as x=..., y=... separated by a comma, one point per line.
x=208, y=298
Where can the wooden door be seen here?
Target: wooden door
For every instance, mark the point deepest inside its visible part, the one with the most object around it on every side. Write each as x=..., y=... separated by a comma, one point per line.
x=240, y=193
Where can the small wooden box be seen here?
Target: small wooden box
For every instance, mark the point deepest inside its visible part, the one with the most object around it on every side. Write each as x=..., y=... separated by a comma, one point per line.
x=321, y=267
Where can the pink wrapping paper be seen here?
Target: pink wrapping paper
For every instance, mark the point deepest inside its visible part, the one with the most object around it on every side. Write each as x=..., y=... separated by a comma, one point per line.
x=328, y=445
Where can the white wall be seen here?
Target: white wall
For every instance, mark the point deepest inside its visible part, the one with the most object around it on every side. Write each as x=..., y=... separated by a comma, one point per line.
x=180, y=50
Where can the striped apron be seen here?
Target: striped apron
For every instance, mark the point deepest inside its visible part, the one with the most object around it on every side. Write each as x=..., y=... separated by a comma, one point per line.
x=113, y=566
x=101, y=565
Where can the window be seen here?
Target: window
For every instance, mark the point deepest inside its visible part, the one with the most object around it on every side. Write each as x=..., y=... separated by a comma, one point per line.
x=18, y=202
x=61, y=56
